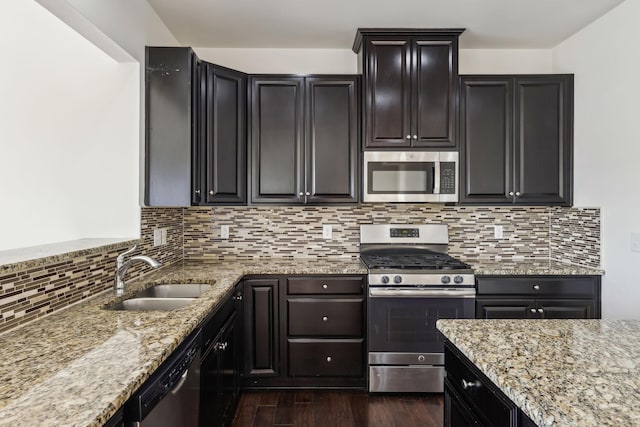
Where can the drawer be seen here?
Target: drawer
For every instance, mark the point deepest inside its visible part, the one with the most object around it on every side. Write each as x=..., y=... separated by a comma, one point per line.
x=326, y=358
x=325, y=285
x=495, y=409
x=584, y=287
x=325, y=317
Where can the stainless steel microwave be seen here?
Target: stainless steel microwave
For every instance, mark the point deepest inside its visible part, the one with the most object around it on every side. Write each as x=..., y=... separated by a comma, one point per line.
x=410, y=176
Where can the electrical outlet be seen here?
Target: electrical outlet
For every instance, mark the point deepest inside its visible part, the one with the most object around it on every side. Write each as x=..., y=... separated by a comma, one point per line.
x=498, y=232
x=163, y=236
x=635, y=242
x=224, y=231
x=327, y=231
x=157, y=237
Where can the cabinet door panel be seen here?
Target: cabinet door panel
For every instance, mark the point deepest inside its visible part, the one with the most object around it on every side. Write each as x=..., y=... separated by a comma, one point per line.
x=276, y=139
x=565, y=309
x=261, y=327
x=326, y=358
x=326, y=317
x=434, y=75
x=331, y=147
x=387, y=92
x=542, y=140
x=225, y=144
x=486, y=155
x=504, y=308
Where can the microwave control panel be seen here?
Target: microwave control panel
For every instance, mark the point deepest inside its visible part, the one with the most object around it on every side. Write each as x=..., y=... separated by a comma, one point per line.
x=447, y=178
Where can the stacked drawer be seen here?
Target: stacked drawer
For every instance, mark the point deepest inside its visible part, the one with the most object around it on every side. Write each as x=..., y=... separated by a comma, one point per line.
x=325, y=326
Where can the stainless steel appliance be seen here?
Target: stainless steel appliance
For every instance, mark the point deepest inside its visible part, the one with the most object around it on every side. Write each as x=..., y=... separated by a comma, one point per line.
x=170, y=398
x=412, y=284
x=410, y=176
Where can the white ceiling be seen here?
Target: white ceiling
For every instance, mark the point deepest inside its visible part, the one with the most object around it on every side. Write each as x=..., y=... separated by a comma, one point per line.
x=524, y=24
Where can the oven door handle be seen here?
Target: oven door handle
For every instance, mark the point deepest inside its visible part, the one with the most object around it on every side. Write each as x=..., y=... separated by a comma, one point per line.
x=423, y=293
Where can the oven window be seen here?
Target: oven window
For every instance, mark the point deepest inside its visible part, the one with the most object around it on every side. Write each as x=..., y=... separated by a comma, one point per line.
x=409, y=324
x=400, y=177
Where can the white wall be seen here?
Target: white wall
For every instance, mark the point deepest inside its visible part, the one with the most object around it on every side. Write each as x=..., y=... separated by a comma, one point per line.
x=604, y=57
x=70, y=122
x=504, y=61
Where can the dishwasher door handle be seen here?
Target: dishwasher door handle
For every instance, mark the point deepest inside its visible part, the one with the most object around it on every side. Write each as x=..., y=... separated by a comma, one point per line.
x=180, y=383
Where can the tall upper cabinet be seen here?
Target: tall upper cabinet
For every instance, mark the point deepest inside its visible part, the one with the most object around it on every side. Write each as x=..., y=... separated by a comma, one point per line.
x=410, y=80
x=516, y=139
x=196, y=130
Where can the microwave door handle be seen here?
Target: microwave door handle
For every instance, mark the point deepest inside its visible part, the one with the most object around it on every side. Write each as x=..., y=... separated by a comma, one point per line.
x=436, y=178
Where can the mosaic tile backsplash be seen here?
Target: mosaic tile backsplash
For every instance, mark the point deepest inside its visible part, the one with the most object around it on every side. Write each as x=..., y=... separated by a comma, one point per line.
x=257, y=232
x=34, y=289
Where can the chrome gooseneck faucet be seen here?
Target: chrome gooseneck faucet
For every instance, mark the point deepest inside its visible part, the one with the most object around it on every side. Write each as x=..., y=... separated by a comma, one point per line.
x=122, y=266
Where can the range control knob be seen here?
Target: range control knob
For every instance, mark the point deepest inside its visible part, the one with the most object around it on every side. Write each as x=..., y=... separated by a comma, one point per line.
x=384, y=279
x=397, y=279
x=445, y=279
x=458, y=279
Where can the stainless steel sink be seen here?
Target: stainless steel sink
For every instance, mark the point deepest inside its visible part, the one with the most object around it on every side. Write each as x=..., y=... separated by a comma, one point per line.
x=174, y=290
x=152, y=304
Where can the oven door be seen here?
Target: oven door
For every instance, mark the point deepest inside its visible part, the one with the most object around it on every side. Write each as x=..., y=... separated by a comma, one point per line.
x=404, y=320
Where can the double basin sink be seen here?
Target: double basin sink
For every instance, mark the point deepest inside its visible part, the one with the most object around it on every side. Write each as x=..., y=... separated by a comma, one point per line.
x=162, y=297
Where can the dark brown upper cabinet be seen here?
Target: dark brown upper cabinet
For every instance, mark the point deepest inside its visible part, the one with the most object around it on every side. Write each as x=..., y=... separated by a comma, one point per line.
x=516, y=139
x=410, y=80
x=304, y=139
x=223, y=151
x=195, y=148
x=171, y=122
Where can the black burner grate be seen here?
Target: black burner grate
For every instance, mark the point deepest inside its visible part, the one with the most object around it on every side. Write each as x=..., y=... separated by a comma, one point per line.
x=426, y=261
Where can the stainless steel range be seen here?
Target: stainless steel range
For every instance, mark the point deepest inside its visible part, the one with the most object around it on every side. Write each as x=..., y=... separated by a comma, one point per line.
x=412, y=284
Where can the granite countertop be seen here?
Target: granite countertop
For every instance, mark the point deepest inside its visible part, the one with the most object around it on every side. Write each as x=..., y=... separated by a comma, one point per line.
x=559, y=372
x=538, y=267
x=78, y=366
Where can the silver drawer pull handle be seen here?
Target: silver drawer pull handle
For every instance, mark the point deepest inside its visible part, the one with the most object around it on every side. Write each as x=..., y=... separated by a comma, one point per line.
x=325, y=318
x=540, y=310
x=329, y=358
x=536, y=287
x=408, y=136
x=471, y=384
x=533, y=310
x=324, y=286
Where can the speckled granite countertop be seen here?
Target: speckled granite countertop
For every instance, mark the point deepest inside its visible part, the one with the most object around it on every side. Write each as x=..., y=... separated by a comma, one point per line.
x=559, y=372
x=78, y=366
x=538, y=267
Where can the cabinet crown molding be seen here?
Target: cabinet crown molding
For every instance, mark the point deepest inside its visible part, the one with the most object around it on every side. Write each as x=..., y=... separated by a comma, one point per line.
x=435, y=32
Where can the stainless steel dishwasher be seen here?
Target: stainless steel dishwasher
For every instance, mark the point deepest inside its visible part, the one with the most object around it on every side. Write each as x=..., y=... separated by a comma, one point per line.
x=171, y=397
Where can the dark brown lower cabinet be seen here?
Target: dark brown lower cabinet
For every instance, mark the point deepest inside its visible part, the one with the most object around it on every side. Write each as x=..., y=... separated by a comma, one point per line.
x=538, y=297
x=471, y=399
x=304, y=331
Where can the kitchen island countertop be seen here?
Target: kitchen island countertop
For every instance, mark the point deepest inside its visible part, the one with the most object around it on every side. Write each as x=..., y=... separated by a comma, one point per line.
x=559, y=372
x=79, y=365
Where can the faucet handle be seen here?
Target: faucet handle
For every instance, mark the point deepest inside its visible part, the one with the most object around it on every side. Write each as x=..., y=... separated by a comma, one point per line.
x=120, y=259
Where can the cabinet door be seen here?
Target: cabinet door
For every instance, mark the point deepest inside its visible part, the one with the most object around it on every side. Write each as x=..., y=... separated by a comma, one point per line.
x=276, y=139
x=505, y=308
x=456, y=412
x=331, y=148
x=387, y=96
x=565, y=309
x=544, y=139
x=486, y=144
x=261, y=324
x=225, y=137
x=434, y=78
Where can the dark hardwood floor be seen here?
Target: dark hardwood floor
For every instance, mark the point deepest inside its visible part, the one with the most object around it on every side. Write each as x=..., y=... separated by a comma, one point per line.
x=306, y=408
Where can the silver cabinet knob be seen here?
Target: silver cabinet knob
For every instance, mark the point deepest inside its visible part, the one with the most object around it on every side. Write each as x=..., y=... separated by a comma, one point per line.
x=470, y=384
x=517, y=194
x=540, y=310
x=325, y=318
x=329, y=358
x=408, y=136
x=211, y=192
x=536, y=287
x=533, y=310
x=511, y=193
x=197, y=191
x=301, y=194
x=415, y=136
x=324, y=286
x=307, y=193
